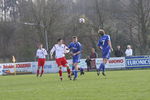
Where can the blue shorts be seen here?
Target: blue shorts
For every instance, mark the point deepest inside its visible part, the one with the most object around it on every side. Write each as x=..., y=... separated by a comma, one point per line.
x=106, y=54
x=76, y=59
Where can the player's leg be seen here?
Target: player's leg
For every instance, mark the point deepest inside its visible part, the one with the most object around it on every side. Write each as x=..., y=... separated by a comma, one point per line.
x=105, y=60
x=64, y=64
x=100, y=68
x=73, y=69
x=69, y=73
x=76, y=71
x=59, y=63
x=42, y=71
x=60, y=73
x=103, y=68
x=76, y=60
x=105, y=56
x=81, y=71
x=38, y=69
x=43, y=63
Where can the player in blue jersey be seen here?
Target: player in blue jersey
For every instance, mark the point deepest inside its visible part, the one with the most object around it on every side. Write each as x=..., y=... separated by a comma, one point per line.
x=105, y=45
x=76, y=49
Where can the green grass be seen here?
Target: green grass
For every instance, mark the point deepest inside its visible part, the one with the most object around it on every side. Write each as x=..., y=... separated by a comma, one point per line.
x=119, y=85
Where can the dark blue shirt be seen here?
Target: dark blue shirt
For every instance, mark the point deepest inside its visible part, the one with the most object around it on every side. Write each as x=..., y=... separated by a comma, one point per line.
x=103, y=42
x=75, y=47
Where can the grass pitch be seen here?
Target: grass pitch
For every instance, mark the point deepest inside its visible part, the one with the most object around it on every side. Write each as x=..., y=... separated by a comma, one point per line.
x=118, y=85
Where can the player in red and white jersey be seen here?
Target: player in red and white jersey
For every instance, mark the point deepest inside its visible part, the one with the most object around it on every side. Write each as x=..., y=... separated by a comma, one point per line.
x=41, y=54
x=60, y=50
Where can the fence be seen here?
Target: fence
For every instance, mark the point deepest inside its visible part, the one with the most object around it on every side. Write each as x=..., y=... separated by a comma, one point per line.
x=51, y=66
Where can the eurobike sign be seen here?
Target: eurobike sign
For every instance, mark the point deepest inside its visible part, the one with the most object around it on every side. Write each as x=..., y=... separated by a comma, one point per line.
x=138, y=62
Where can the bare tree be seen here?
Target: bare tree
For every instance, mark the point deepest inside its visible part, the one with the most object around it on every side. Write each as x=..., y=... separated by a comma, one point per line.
x=140, y=18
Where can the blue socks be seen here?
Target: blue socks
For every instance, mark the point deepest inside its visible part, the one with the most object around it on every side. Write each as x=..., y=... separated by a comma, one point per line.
x=102, y=67
x=75, y=74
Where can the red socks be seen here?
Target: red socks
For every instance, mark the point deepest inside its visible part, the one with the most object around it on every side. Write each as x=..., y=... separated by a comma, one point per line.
x=60, y=73
x=38, y=72
x=68, y=70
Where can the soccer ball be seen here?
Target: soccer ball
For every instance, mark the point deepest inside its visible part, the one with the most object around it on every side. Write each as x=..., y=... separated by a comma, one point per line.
x=67, y=51
x=81, y=20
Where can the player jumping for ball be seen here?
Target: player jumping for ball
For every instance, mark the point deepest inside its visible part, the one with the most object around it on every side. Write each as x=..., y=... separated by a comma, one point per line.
x=105, y=45
x=75, y=48
x=60, y=50
x=41, y=54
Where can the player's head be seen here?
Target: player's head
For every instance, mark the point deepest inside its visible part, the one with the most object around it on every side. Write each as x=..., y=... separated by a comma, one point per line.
x=40, y=46
x=101, y=32
x=60, y=41
x=75, y=39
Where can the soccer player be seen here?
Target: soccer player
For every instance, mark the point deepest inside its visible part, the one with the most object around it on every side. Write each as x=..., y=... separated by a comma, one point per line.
x=105, y=45
x=41, y=54
x=60, y=50
x=75, y=48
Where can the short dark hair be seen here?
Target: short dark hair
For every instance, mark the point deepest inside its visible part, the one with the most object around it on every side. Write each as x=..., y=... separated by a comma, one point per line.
x=59, y=39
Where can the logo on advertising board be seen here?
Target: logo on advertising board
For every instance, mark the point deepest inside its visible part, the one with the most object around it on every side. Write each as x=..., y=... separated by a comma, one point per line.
x=114, y=62
x=138, y=62
x=6, y=71
x=111, y=61
x=8, y=66
x=23, y=65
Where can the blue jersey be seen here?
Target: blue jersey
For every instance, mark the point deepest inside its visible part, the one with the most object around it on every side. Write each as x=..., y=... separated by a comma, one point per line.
x=75, y=47
x=103, y=43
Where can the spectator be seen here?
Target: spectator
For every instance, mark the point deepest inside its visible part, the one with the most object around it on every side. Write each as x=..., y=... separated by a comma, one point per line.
x=88, y=62
x=93, y=57
x=118, y=52
x=129, y=51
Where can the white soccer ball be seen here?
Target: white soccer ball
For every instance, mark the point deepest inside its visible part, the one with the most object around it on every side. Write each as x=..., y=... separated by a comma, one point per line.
x=67, y=50
x=81, y=20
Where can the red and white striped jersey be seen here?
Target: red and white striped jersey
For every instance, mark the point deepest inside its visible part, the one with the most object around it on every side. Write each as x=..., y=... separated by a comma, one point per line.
x=41, y=53
x=59, y=50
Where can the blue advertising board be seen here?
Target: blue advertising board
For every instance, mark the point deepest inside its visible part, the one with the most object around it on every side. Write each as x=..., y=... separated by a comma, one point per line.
x=138, y=62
